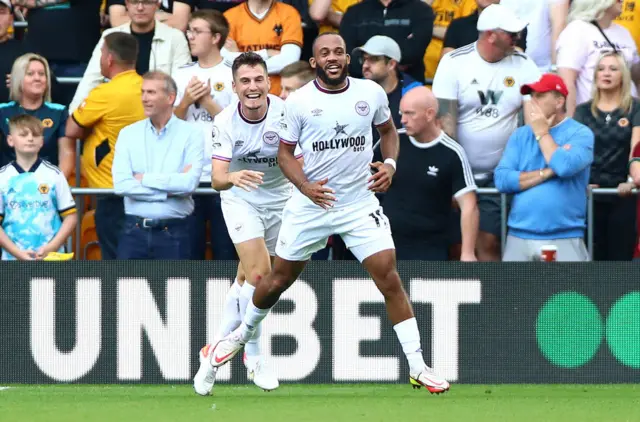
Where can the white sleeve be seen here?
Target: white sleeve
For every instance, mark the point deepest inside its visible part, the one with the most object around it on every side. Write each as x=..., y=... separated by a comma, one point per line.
x=63, y=194
x=181, y=54
x=180, y=83
x=289, y=53
x=291, y=123
x=92, y=76
x=382, y=113
x=445, y=81
x=221, y=141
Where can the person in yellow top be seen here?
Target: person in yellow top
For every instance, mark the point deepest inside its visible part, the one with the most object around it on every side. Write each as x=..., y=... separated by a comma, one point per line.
x=98, y=120
x=328, y=13
x=445, y=11
x=630, y=19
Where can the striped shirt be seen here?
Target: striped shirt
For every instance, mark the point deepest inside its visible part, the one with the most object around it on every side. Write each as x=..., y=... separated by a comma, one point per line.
x=429, y=174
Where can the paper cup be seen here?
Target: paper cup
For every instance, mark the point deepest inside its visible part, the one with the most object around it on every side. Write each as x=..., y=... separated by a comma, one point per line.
x=548, y=253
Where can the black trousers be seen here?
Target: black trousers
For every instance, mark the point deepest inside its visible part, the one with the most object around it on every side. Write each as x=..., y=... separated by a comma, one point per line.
x=614, y=228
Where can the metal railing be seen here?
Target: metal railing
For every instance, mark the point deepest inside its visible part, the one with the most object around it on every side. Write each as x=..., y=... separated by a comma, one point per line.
x=82, y=192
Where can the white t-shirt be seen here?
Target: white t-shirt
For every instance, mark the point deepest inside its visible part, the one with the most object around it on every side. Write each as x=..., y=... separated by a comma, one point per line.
x=537, y=14
x=580, y=45
x=220, y=78
x=333, y=131
x=253, y=145
x=489, y=100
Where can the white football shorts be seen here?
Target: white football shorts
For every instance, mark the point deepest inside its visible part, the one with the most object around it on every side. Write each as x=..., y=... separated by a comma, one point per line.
x=364, y=229
x=245, y=221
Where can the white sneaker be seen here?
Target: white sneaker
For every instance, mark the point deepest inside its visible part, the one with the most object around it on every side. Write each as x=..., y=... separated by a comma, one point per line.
x=206, y=375
x=261, y=374
x=427, y=378
x=226, y=349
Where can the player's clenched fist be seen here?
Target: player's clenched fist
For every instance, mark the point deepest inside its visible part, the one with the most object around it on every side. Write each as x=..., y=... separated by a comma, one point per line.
x=319, y=193
x=246, y=179
x=382, y=177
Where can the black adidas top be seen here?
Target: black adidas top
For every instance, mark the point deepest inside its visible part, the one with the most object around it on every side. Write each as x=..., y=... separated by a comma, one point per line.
x=429, y=175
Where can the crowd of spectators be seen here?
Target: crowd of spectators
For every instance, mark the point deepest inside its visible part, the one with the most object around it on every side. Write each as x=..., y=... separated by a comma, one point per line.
x=480, y=59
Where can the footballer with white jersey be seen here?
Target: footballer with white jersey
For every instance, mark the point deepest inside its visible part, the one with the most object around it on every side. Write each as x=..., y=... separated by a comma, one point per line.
x=245, y=139
x=330, y=120
x=204, y=89
x=478, y=91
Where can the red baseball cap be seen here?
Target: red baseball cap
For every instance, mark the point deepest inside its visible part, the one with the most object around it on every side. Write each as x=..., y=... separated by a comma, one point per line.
x=548, y=82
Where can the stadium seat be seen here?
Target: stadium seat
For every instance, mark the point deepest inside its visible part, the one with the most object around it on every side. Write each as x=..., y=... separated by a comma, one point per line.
x=83, y=184
x=89, y=238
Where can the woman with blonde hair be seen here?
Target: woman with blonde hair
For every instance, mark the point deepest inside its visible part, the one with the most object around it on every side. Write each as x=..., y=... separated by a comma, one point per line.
x=591, y=32
x=613, y=115
x=30, y=93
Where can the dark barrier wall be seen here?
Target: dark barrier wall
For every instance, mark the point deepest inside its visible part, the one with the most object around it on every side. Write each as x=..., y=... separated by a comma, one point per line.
x=130, y=322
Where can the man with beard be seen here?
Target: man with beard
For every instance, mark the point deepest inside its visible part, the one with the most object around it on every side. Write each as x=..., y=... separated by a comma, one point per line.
x=331, y=119
x=479, y=100
x=254, y=191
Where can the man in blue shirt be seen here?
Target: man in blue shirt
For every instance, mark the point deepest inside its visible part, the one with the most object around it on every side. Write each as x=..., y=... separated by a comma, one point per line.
x=546, y=165
x=157, y=166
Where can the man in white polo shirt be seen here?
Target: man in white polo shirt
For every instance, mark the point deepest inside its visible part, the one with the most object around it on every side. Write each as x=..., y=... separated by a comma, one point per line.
x=477, y=87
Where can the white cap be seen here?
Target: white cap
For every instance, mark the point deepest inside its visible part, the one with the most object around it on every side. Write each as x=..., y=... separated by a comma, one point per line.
x=498, y=16
x=7, y=3
x=380, y=45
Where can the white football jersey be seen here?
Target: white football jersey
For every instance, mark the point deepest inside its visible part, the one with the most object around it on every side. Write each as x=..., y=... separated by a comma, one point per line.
x=489, y=100
x=253, y=145
x=220, y=78
x=333, y=131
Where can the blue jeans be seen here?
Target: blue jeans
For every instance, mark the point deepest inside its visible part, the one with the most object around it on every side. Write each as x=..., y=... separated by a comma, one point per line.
x=109, y=221
x=165, y=239
x=207, y=208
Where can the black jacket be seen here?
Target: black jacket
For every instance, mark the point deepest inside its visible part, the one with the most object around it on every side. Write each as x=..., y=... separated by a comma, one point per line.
x=408, y=22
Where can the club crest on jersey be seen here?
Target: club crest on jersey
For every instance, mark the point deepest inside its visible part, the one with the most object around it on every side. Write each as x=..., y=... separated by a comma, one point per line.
x=47, y=123
x=509, y=82
x=270, y=138
x=43, y=188
x=624, y=122
x=362, y=108
x=218, y=86
x=277, y=28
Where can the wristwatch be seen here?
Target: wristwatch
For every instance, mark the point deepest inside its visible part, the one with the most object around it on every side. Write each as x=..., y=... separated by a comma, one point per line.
x=540, y=137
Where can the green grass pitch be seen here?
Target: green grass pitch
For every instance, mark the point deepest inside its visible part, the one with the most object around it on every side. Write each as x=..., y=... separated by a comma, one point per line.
x=320, y=403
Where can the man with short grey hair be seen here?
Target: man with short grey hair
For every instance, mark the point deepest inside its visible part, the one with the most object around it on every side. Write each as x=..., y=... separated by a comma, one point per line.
x=157, y=166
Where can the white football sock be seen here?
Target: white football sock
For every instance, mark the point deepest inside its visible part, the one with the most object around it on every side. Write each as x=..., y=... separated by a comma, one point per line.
x=231, y=317
x=252, y=348
x=252, y=319
x=409, y=337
